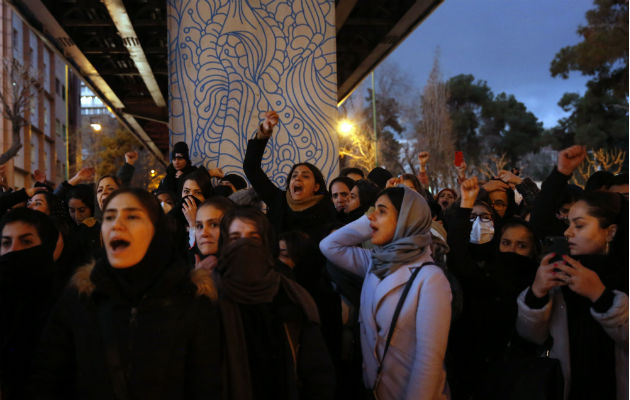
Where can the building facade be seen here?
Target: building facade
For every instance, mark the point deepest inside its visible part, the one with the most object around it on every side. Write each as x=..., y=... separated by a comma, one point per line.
x=45, y=136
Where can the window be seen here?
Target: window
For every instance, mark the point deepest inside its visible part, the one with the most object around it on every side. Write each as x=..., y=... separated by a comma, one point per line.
x=35, y=112
x=63, y=92
x=34, y=151
x=19, y=158
x=46, y=69
x=47, y=127
x=58, y=127
x=47, y=155
x=57, y=86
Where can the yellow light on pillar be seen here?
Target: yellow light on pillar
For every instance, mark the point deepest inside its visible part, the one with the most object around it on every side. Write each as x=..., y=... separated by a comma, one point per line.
x=345, y=127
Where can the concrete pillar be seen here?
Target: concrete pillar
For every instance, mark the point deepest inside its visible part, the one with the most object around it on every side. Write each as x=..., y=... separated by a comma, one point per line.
x=232, y=60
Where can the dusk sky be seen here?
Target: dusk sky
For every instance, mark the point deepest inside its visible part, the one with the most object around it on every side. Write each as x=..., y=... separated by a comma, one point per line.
x=508, y=43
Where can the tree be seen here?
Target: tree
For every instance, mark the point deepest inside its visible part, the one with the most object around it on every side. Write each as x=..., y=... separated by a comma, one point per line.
x=599, y=119
x=392, y=105
x=466, y=103
x=107, y=154
x=17, y=93
x=510, y=129
x=434, y=131
x=603, y=51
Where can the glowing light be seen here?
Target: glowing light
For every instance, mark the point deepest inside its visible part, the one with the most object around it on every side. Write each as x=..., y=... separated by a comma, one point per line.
x=345, y=127
x=96, y=126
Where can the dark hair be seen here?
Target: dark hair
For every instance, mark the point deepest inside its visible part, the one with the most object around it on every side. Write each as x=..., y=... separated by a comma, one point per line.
x=250, y=214
x=573, y=193
x=380, y=176
x=299, y=245
x=352, y=170
x=56, y=207
x=620, y=179
x=436, y=210
x=85, y=193
x=416, y=184
x=201, y=177
x=148, y=201
x=343, y=179
x=319, y=178
x=167, y=192
x=115, y=178
x=491, y=210
x=517, y=222
x=605, y=206
x=219, y=202
x=395, y=195
x=368, y=192
x=446, y=190
x=44, y=226
x=599, y=180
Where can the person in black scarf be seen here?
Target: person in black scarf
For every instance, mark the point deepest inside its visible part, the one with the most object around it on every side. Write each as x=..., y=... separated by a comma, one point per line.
x=180, y=166
x=273, y=346
x=581, y=300
x=26, y=293
x=362, y=197
x=493, y=266
x=137, y=324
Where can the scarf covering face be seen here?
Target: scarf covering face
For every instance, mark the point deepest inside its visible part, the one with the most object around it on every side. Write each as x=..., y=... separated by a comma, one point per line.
x=246, y=276
x=412, y=238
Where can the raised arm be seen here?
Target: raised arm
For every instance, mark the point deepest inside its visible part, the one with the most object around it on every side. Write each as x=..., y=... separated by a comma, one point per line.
x=253, y=159
x=554, y=190
x=342, y=247
x=125, y=173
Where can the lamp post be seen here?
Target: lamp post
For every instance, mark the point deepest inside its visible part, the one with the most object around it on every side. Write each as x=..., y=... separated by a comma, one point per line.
x=374, y=121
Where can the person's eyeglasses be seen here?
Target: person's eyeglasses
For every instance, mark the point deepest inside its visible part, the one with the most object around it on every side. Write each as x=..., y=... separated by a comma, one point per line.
x=483, y=217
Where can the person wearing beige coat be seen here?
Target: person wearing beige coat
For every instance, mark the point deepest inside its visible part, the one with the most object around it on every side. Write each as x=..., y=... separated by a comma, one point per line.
x=413, y=367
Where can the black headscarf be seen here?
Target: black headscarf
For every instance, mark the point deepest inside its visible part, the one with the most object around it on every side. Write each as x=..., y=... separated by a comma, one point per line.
x=246, y=277
x=133, y=282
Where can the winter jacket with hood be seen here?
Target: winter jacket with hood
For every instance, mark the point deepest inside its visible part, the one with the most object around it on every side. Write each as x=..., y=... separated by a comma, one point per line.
x=156, y=338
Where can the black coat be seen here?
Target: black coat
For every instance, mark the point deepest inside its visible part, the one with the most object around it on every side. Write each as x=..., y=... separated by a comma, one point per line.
x=26, y=295
x=490, y=283
x=173, y=183
x=315, y=221
x=167, y=345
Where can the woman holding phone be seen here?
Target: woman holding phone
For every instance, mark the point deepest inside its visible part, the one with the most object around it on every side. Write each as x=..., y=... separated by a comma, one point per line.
x=581, y=301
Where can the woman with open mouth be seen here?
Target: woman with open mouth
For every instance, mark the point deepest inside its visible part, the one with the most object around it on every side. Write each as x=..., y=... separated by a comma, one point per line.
x=304, y=204
x=137, y=324
x=405, y=310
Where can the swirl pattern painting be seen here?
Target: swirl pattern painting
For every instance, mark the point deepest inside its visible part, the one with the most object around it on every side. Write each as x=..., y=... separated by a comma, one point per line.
x=232, y=60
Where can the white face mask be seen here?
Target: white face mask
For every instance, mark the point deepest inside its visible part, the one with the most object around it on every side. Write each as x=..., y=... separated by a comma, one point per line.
x=482, y=232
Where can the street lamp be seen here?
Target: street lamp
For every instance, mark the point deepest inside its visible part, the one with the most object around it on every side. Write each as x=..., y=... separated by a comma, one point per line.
x=96, y=127
x=346, y=127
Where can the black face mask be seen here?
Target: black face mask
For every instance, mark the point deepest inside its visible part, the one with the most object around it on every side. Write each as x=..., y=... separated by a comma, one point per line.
x=27, y=267
x=515, y=271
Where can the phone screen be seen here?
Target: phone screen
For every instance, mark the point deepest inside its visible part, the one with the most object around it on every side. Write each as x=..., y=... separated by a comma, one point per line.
x=556, y=244
x=459, y=158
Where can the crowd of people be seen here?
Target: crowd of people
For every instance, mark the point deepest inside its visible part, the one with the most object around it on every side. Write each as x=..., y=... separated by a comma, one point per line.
x=369, y=286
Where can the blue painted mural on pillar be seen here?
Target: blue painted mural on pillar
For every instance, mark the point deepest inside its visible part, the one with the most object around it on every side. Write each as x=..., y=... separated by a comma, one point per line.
x=232, y=60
